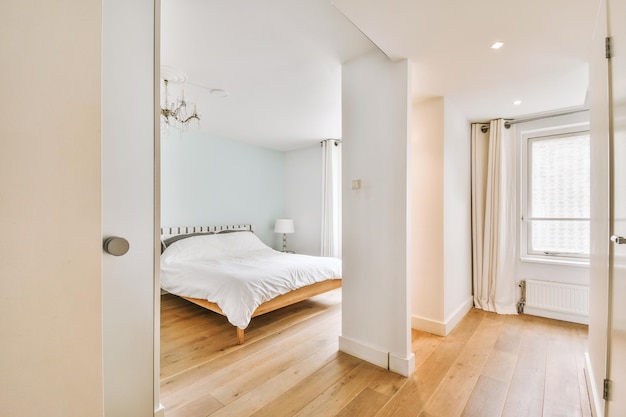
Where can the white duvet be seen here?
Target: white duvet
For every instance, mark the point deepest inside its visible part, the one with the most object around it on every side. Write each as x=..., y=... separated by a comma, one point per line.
x=238, y=272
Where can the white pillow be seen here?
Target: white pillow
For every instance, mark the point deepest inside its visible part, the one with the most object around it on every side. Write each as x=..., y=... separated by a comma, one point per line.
x=236, y=241
x=208, y=246
x=192, y=247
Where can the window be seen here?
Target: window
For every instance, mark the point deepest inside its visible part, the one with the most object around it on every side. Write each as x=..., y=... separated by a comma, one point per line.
x=555, y=195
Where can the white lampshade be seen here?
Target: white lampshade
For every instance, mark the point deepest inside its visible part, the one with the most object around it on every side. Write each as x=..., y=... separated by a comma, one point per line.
x=284, y=226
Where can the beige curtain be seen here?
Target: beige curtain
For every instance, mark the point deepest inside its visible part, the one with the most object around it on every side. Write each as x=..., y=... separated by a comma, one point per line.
x=494, y=222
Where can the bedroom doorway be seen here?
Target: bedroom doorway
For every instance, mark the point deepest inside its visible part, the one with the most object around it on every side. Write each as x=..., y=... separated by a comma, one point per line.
x=269, y=168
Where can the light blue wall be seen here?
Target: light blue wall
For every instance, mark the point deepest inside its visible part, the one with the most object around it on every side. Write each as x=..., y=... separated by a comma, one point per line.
x=213, y=181
x=303, y=198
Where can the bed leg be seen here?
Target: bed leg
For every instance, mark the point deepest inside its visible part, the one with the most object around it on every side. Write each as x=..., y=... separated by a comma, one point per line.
x=240, y=335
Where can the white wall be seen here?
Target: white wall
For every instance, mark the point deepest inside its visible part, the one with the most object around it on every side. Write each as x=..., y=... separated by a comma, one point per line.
x=457, y=231
x=50, y=303
x=303, y=199
x=212, y=181
x=441, y=222
x=427, y=212
x=376, y=132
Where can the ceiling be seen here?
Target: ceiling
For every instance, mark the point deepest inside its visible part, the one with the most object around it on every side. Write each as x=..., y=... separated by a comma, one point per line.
x=280, y=60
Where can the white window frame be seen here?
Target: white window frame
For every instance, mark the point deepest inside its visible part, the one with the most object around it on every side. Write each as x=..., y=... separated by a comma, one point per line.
x=526, y=138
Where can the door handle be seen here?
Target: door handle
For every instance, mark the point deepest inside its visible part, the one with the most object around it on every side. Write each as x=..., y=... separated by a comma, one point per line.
x=618, y=239
x=116, y=246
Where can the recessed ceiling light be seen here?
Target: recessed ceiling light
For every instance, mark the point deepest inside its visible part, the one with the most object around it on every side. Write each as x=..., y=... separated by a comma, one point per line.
x=517, y=102
x=497, y=45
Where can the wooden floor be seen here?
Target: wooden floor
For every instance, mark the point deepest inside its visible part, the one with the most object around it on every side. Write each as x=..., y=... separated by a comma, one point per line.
x=490, y=365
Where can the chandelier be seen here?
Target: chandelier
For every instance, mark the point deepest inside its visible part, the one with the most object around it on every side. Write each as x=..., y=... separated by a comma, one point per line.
x=177, y=113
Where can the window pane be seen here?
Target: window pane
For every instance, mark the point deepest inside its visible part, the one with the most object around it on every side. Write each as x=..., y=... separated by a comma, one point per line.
x=559, y=188
x=560, y=175
x=567, y=237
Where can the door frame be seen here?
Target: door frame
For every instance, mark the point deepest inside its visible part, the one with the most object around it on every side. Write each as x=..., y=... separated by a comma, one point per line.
x=159, y=409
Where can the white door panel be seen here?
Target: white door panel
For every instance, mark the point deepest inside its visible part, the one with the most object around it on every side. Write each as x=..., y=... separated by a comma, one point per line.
x=616, y=373
x=128, y=206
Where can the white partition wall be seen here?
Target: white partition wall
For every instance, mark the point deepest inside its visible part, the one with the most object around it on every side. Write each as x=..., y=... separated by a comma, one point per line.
x=427, y=193
x=375, y=324
x=457, y=231
x=441, y=223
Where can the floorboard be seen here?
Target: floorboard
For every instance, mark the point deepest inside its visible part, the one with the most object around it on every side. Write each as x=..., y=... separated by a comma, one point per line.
x=488, y=366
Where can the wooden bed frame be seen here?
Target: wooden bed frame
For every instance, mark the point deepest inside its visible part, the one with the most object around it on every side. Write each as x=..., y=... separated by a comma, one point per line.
x=281, y=301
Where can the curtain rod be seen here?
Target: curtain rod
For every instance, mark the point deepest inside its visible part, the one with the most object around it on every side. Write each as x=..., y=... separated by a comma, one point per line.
x=510, y=122
x=337, y=141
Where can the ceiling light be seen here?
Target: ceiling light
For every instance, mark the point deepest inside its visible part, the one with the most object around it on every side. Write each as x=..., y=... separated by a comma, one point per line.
x=497, y=45
x=179, y=112
x=517, y=102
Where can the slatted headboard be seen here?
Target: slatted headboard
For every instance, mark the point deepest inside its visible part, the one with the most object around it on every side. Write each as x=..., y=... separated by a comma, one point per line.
x=173, y=231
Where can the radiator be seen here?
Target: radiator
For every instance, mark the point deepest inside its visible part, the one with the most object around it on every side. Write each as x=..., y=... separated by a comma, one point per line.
x=555, y=300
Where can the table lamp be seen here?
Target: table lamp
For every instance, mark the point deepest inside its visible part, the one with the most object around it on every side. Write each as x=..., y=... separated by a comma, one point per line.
x=284, y=226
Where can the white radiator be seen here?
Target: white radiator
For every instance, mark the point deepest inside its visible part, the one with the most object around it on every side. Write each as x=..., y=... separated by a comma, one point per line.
x=557, y=301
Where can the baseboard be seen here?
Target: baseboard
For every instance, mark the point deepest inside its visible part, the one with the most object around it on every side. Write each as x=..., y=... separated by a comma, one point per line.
x=376, y=356
x=443, y=328
x=427, y=325
x=402, y=366
x=458, y=315
x=597, y=403
x=367, y=353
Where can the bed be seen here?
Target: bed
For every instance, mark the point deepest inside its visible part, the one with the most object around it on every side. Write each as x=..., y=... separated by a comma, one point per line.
x=229, y=270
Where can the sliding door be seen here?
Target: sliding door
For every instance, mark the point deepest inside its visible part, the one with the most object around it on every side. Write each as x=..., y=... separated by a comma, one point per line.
x=616, y=372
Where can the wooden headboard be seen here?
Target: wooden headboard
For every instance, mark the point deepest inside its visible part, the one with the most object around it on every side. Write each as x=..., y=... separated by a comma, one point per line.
x=183, y=230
